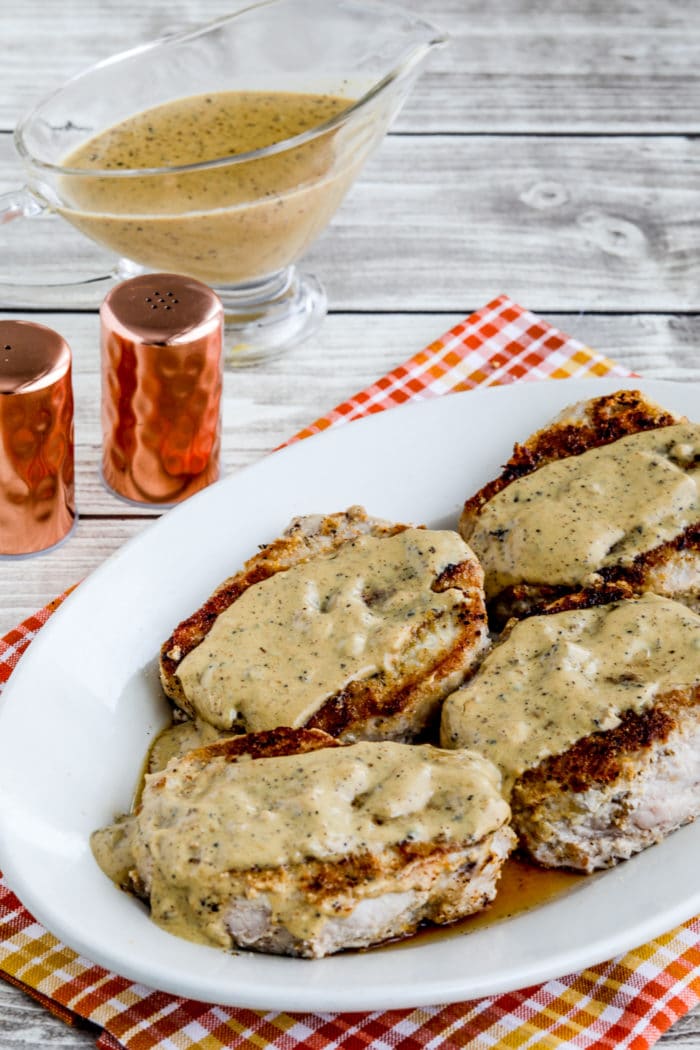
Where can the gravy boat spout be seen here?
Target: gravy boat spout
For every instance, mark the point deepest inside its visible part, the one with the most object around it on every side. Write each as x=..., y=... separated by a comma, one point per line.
x=223, y=152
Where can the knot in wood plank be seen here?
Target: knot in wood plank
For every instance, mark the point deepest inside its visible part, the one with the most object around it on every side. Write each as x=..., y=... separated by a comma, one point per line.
x=612, y=234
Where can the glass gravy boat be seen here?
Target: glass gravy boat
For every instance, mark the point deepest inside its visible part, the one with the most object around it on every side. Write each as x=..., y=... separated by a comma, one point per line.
x=238, y=219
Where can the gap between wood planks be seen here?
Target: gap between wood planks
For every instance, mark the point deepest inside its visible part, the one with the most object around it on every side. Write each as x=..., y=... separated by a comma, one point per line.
x=678, y=133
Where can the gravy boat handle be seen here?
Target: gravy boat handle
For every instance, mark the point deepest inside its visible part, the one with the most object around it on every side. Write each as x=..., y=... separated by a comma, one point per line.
x=86, y=293
x=19, y=204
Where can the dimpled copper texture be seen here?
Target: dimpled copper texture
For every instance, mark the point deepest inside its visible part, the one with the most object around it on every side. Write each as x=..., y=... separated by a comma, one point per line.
x=161, y=388
x=37, y=489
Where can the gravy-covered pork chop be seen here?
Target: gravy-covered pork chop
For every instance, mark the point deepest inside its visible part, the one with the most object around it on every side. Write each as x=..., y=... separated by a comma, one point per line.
x=592, y=714
x=287, y=842
x=608, y=492
x=348, y=624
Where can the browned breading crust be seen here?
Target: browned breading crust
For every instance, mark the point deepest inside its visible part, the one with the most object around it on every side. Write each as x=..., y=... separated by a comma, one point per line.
x=292, y=548
x=607, y=419
x=271, y=743
x=373, y=703
x=599, y=759
x=390, y=705
x=340, y=880
x=613, y=793
x=456, y=878
x=617, y=581
x=649, y=571
x=647, y=563
x=588, y=425
x=551, y=600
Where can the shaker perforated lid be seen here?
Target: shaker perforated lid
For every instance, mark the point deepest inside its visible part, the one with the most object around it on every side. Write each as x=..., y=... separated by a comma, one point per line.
x=37, y=496
x=161, y=387
x=31, y=357
x=162, y=309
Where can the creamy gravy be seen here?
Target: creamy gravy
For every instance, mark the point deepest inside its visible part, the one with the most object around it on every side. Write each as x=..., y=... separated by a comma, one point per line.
x=111, y=848
x=176, y=740
x=558, y=678
x=202, y=821
x=573, y=517
x=225, y=224
x=299, y=637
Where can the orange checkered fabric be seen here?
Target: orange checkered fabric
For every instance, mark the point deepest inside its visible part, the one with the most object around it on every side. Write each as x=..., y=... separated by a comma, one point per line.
x=625, y=1003
x=502, y=343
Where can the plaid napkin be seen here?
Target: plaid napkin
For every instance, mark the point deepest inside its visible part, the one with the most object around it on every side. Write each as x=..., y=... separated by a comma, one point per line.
x=627, y=1002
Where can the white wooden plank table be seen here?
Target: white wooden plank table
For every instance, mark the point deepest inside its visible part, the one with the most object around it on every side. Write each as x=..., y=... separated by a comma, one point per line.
x=549, y=152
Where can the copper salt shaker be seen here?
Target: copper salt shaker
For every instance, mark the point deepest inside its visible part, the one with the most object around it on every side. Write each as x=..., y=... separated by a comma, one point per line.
x=37, y=491
x=161, y=388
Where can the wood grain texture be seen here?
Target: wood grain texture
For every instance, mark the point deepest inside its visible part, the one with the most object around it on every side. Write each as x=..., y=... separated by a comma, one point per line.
x=444, y=223
x=510, y=65
x=25, y=1025
x=263, y=407
x=684, y=1035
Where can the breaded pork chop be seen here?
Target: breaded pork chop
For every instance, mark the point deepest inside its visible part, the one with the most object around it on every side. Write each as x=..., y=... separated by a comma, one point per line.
x=345, y=623
x=287, y=842
x=592, y=712
x=607, y=492
x=613, y=794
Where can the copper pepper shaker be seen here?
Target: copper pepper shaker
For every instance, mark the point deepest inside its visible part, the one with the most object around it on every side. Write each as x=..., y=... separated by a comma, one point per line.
x=161, y=388
x=37, y=492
